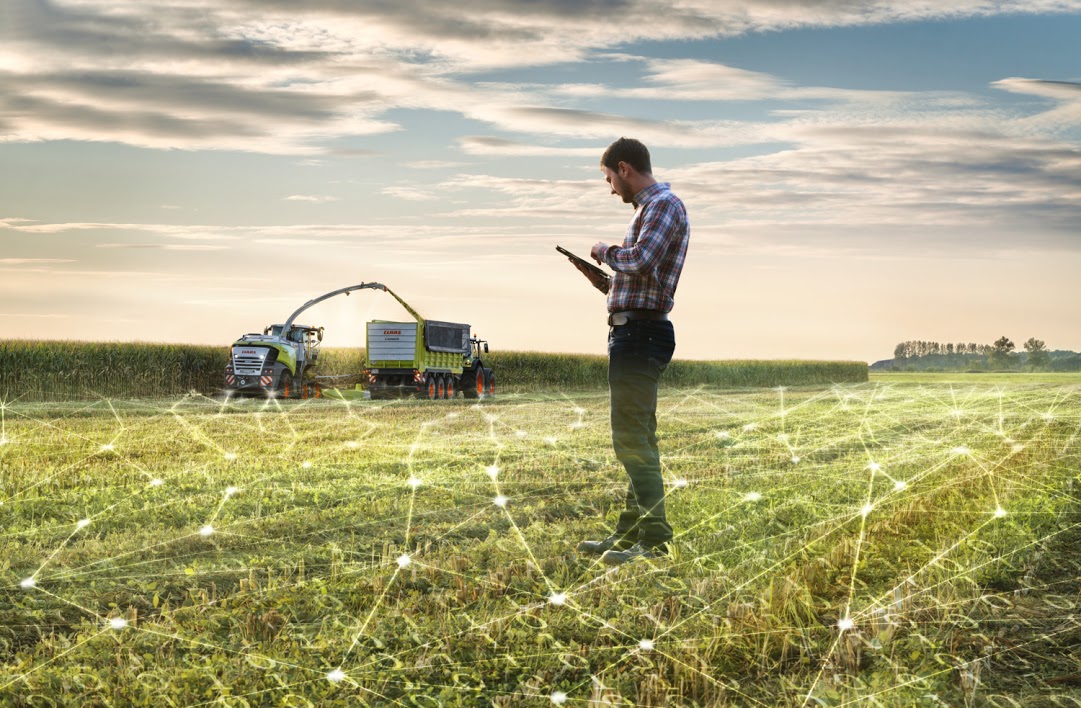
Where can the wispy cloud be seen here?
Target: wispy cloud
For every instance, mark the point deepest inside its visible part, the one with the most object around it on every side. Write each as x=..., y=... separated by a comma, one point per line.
x=33, y=261
x=163, y=246
x=314, y=198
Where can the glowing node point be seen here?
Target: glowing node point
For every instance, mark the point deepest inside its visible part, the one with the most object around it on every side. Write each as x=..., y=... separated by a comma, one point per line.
x=336, y=676
x=723, y=434
x=795, y=459
x=306, y=464
x=680, y=483
x=451, y=416
x=577, y=425
x=206, y=530
x=351, y=445
x=752, y=496
x=82, y=523
x=1017, y=448
x=580, y=411
x=107, y=448
x=960, y=450
x=404, y=560
x=1048, y=417
x=491, y=418
x=551, y=441
x=230, y=456
x=782, y=437
x=956, y=413
x=500, y=500
x=520, y=433
x=492, y=470
x=646, y=645
x=845, y=624
x=3, y=441
x=1000, y=512
x=559, y=698
x=749, y=426
x=28, y=583
x=900, y=484
x=230, y=491
x=156, y=482
x=414, y=482
x=118, y=623
x=867, y=509
x=874, y=467
x=557, y=598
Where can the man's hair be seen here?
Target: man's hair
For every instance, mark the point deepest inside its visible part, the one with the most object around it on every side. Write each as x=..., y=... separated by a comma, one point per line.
x=628, y=150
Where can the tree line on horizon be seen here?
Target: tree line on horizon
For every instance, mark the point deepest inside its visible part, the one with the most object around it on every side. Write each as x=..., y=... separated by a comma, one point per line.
x=999, y=355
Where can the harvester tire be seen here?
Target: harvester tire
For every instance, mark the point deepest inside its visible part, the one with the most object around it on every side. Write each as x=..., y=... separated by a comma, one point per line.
x=489, y=383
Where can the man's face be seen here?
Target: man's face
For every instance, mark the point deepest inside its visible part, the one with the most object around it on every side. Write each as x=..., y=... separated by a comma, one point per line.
x=613, y=178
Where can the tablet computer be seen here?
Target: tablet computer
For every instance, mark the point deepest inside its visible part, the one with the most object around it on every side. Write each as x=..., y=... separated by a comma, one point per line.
x=581, y=261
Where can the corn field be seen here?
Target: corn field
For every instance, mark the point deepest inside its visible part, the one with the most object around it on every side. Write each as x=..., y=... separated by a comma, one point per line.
x=72, y=370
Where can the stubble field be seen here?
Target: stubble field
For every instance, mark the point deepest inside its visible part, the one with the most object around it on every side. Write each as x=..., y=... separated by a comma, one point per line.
x=898, y=542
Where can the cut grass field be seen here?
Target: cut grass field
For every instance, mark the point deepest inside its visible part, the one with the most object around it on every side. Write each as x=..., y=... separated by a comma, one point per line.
x=899, y=542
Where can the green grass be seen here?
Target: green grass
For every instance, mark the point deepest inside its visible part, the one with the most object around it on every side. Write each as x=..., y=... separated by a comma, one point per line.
x=786, y=503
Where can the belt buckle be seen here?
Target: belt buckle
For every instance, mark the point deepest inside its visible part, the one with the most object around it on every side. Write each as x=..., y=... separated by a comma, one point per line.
x=617, y=319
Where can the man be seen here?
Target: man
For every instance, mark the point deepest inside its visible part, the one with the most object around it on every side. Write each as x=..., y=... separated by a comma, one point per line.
x=640, y=343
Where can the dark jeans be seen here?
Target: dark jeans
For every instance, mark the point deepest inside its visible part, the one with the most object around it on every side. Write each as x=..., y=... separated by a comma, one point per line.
x=638, y=352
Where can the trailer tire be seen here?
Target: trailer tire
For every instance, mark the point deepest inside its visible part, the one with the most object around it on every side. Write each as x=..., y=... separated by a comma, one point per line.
x=441, y=386
x=433, y=389
x=451, y=387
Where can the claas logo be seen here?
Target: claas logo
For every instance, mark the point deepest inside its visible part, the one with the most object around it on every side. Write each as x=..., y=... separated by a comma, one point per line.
x=392, y=331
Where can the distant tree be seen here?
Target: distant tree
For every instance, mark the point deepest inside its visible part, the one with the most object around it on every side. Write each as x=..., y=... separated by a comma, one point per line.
x=1038, y=356
x=901, y=351
x=1000, y=353
x=949, y=348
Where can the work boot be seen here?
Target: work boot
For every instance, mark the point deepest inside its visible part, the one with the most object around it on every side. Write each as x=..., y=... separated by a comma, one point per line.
x=616, y=541
x=618, y=557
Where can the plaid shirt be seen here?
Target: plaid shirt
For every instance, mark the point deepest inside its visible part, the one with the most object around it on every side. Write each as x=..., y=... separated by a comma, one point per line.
x=648, y=265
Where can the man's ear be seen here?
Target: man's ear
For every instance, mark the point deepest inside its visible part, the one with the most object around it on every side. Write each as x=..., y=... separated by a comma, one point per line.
x=624, y=169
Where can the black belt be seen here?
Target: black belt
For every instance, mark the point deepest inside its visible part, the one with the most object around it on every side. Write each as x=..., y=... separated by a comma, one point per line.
x=616, y=319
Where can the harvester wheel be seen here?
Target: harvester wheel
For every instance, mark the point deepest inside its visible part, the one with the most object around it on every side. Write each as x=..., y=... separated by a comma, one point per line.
x=489, y=380
x=451, y=388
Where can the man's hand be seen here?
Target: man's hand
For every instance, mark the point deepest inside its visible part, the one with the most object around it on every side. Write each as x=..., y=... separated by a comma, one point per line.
x=600, y=282
x=598, y=251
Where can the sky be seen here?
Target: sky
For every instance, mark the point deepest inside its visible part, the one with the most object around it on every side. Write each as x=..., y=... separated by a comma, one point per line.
x=856, y=174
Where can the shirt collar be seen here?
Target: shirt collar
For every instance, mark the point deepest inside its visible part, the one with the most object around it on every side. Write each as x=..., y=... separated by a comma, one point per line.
x=650, y=193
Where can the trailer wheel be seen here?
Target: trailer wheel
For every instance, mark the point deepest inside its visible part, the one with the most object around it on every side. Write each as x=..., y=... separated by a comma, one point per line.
x=433, y=391
x=451, y=388
x=441, y=386
x=489, y=376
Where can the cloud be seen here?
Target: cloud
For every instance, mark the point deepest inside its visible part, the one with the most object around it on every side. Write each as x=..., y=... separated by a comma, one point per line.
x=163, y=246
x=271, y=76
x=411, y=194
x=33, y=261
x=490, y=145
x=1059, y=90
x=316, y=198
